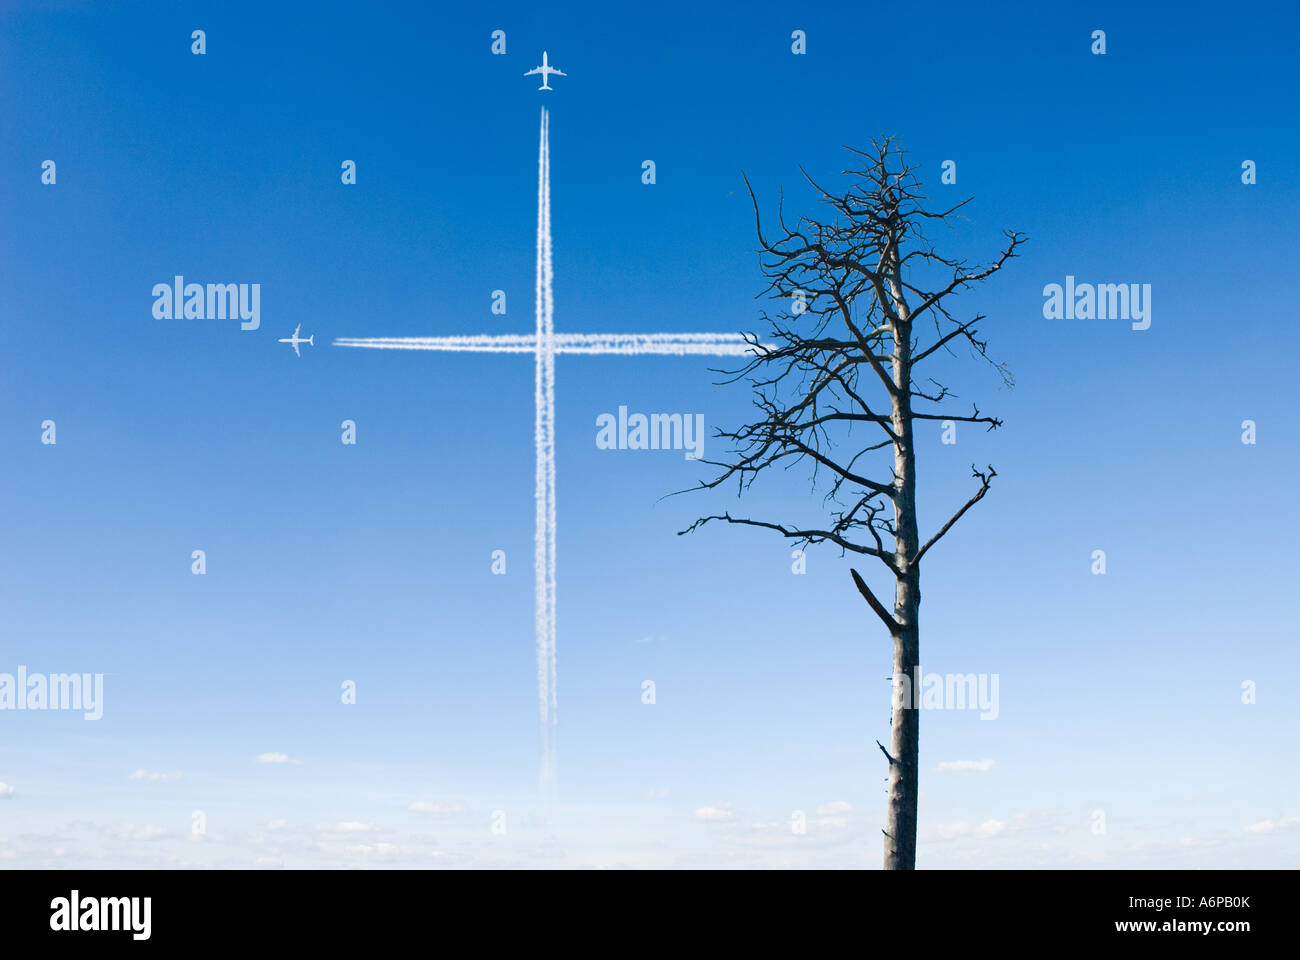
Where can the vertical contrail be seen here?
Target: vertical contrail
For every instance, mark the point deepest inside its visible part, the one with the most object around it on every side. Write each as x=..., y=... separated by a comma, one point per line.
x=551, y=566
x=539, y=528
x=544, y=542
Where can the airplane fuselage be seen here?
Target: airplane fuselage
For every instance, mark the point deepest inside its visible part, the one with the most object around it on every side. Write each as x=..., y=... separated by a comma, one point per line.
x=546, y=70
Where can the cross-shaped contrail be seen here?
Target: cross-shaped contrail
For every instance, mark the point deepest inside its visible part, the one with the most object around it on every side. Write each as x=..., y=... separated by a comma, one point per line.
x=544, y=345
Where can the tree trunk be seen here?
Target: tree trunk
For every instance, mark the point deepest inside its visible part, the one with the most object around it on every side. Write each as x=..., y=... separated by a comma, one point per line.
x=905, y=720
x=904, y=738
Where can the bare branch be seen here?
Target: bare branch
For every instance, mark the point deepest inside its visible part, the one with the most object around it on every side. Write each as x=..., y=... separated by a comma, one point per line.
x=875, y=604
x=985, y=479
x=806, y=536
x=975, y=417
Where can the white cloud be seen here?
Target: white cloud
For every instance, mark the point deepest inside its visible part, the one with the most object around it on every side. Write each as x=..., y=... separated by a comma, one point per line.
x=718, y=813
x=376, y=850
x=432, y=809
x=833, y=808
x=1019, y=823
x=6, y=791
x=154, y=777
x=945, y=831
x=353, y=826
x=966, y=766
x=150, y=831
x=274, y=758
x=1268, y=826
x=782, y=832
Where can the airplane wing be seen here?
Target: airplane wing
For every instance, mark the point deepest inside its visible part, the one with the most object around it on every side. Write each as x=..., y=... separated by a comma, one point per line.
x=559, y=73
x=533, y=71
x=295, y=349
x=295, y=331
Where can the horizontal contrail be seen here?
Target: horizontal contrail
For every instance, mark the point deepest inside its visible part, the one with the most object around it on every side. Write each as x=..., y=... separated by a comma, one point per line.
x=678, y=344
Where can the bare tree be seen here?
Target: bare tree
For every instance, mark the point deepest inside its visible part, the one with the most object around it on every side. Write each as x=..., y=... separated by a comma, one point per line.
x=868, y=302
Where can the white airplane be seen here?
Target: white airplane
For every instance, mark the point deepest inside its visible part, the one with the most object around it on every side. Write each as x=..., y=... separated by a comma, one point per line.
x=545, y=70
x=295, y=340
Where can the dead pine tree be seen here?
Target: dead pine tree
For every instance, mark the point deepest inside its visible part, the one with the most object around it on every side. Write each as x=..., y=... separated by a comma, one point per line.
x=868, y=303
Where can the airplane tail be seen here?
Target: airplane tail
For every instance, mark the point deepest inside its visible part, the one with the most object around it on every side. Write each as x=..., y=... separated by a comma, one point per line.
x=311, y=339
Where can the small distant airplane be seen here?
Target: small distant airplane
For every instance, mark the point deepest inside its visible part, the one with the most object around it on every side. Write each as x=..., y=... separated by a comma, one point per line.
x=295, y=340
x=545, y=70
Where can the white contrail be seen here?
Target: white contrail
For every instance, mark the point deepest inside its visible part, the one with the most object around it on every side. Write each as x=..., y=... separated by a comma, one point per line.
x=674, y=344
x=543, y=403
x=547, y=350
x=508, y=343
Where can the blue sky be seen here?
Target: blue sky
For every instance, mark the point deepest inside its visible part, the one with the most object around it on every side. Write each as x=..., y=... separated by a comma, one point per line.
x=372, y=563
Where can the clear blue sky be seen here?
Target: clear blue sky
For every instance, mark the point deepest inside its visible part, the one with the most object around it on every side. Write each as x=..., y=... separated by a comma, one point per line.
x=371, y=563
